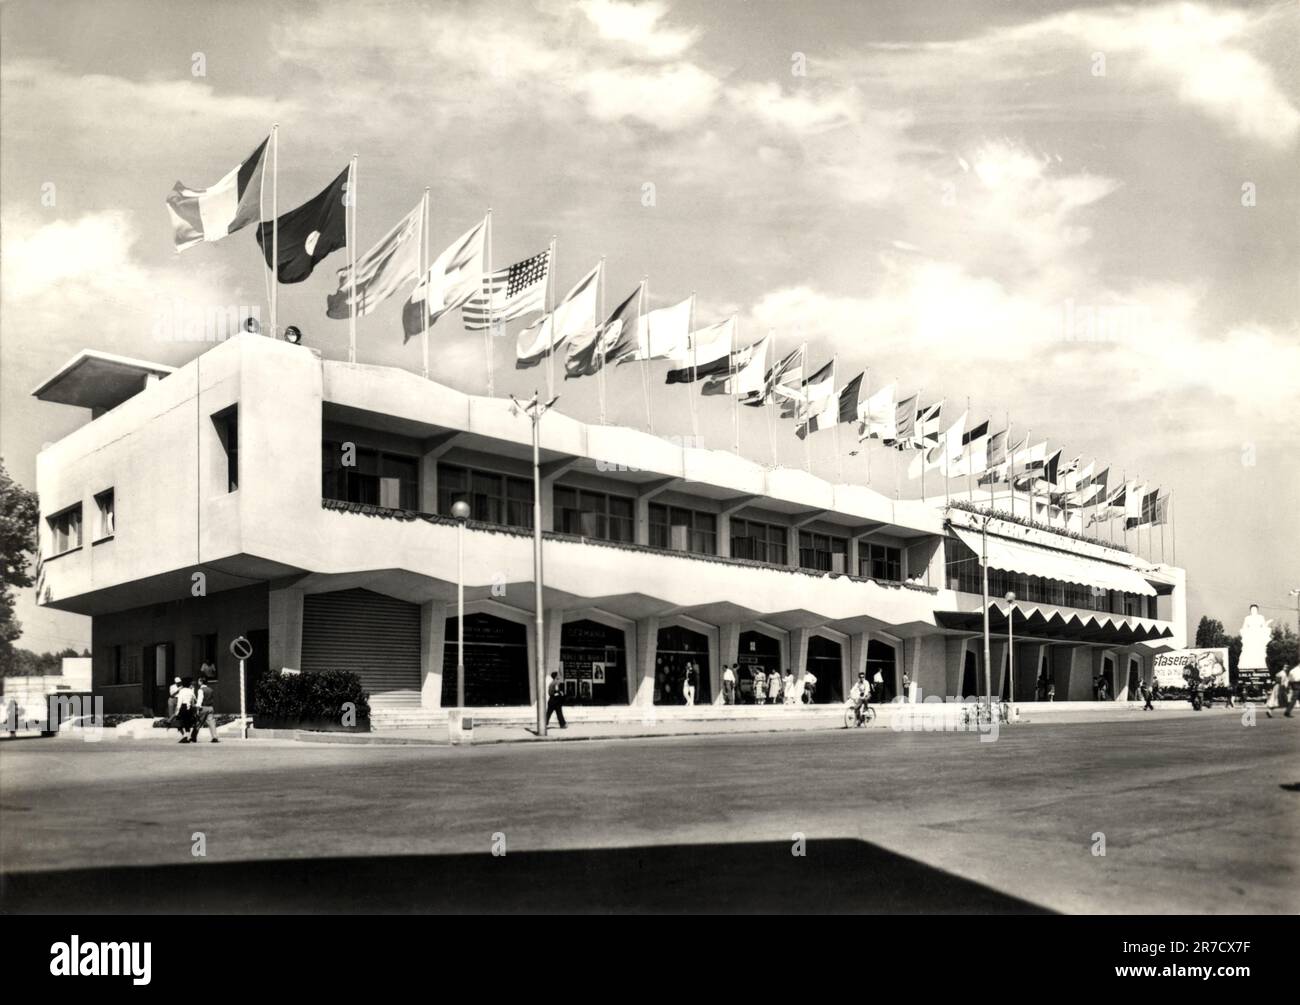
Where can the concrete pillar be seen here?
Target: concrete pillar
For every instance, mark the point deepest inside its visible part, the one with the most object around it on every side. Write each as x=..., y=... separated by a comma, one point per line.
x=955, y=664
x=433, y=638
x=641, y=665
x=799, y=646
x=429, y=482
x=729, y=653
x=792, y=548
x=284, y=617
x=858, y=654
x=998, y=658
x=724, y=534
x=852, y=557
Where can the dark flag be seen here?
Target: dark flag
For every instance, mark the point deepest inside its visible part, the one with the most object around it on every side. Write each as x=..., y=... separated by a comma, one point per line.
x=309, y=233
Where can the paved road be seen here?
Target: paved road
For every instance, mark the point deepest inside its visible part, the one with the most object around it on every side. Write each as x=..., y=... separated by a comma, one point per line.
x=1199, y=815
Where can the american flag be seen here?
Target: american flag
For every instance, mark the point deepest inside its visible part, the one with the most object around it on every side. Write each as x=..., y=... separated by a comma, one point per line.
x=510, y=293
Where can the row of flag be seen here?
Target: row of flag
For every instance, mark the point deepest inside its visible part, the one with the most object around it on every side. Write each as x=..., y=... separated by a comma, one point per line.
x=460, y=278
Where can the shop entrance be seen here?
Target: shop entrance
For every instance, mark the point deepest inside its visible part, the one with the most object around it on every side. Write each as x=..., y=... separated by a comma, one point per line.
x=824, y=664
x=678, y=647
x=593, y=664
x=970, y=684
x=757, y=652
x=496, y=662
x=881, y=660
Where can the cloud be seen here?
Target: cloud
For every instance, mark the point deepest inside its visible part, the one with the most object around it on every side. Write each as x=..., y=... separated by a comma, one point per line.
x=637, y=25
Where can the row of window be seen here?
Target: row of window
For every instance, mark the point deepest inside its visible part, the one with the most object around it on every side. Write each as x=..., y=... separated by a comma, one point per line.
x=66, y=525
x=964, y=575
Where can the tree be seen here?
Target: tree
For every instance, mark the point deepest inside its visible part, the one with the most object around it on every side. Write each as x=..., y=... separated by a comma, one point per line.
x=1283, y=650
x=19, y=512
x=1210, y=633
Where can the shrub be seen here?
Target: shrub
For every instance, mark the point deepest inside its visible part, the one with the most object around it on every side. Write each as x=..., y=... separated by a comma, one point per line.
x=313, y=696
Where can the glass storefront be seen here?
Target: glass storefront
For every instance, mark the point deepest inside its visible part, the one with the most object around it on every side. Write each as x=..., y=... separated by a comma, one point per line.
x=496, y=662
x=593, y=664
x=678, y=649
x=757, y=651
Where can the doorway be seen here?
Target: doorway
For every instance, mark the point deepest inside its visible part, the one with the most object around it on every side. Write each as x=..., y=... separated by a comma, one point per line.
x=160, y=663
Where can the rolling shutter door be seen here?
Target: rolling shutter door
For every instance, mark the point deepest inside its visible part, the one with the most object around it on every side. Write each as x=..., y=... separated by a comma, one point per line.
x=374, y=636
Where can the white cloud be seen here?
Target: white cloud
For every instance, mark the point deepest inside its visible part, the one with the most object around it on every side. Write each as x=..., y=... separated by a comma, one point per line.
x=667, y=97
x=637, y=25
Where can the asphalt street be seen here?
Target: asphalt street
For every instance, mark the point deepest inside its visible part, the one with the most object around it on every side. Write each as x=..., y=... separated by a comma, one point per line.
x=1194, y=815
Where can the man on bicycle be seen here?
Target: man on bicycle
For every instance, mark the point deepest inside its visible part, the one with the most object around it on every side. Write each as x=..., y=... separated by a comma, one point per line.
x=860, y=695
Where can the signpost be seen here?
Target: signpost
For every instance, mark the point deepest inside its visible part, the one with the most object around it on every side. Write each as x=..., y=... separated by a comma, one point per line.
x=241, y=649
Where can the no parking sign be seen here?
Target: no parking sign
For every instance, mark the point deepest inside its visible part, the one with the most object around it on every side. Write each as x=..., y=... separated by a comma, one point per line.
x=241, y=649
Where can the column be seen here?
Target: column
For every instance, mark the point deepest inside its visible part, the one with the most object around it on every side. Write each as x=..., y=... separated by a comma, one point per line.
x=729, y=653
x=433, y=637
x=284, y=619
x=857, y=659
x=799, y=644
x=641, y=670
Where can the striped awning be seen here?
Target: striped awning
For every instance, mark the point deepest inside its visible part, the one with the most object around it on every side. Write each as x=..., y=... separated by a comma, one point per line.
x=1031, y=560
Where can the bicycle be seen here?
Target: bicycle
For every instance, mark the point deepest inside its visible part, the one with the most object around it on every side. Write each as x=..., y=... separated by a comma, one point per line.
x=856, y=714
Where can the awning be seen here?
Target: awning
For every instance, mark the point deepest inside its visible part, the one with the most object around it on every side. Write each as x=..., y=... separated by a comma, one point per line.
x=1031, y=560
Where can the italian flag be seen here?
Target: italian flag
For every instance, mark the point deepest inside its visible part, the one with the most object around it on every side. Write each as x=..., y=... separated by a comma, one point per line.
x=210, y=214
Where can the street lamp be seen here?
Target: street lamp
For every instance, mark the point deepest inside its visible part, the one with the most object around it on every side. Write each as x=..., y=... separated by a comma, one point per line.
x=460, y=510
x=1011, y=645
x=534, y=408
x=984, y=569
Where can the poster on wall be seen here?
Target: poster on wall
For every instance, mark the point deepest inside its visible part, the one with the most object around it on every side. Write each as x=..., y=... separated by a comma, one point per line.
x=1211, y=664
x=598, y=673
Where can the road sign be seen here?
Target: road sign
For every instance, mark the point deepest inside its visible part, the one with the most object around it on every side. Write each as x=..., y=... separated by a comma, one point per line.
x=241, y=648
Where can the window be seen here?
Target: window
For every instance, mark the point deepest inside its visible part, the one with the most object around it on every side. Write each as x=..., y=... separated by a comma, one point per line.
x=105, y=521
x=492, y=498
x=677, y=529
x=594, y=514
x=204, y=650
x=362, y=475
x=762, y=542
x=65, y=530
x=823, y=552
x=124, y=668
x=880, y=562
x=227, y=423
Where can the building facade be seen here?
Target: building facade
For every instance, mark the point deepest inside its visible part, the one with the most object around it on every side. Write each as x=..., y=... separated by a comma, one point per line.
x=305, y=503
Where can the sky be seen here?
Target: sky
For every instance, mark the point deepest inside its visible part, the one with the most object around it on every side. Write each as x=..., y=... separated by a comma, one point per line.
x=1081, y=218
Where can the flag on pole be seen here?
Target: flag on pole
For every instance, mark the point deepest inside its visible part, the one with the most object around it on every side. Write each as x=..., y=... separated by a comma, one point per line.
x=509, y=293
x=209, y=214
x=999, y=460
x=454, y=277
x=781, y=383
x=1161, y=514
x=708, y=352
x=972, y=455
x=573, y=317
x=308, y=234
x=812, y=394
x=662, y=334
x=943, y=453
x=924, y=432
x=591, y=350
x=905, y=416
x=842, y=407
x=1141, y=508
x=879, y=415
x=381, y=271
x=745, y=374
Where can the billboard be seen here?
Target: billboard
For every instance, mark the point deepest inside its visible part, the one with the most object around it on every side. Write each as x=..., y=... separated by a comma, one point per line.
x=1211, y=664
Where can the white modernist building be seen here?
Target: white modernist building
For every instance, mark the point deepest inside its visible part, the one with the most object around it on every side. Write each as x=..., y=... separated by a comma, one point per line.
x=260, y=490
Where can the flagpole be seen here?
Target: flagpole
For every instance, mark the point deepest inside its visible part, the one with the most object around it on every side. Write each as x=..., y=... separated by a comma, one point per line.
x=690, y=338
x=898, y=484
x=352, y=261
x=1123, y=526
x=645, y=364
x=735, y=397
x=487, y=332
x=600, y=340
x=424, y=266
x=807, y=442
x=1162, y=532
x=771, y=426
x=866, y=379
x=275, y=226
x=1173, y=531
x=550, y=310
x=835, y=429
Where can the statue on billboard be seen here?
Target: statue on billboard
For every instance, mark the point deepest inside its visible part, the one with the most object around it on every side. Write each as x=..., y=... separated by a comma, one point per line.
x=1255, y=632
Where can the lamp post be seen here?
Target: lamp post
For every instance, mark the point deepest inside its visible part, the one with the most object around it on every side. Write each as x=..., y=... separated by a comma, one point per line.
x=1011, y=645
x=534, y=408
x=984, y=570
x=460, y=510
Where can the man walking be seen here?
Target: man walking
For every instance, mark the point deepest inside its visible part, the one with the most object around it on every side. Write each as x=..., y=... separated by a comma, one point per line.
x=172, y=692
x=206, y=713
x=728, y=685
x=555, y=700
x=1146, y=694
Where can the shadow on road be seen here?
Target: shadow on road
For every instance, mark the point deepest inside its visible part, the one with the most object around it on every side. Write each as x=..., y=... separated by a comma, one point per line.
x=834, y=876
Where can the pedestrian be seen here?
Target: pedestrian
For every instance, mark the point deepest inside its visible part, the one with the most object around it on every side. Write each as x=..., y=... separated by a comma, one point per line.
x=788, y=687
x=555, y=700
x=1051, y=690
x=171, y=697
x=688, y=683
x=206, y=714
x=760, y=685
x=185, y=709
x=809, y=687
x=1293, y=679
x=1146, y=695
x=1277, y=693
x=207, y=670
x=773, y=688
x=907, y=687
x=728, y=685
